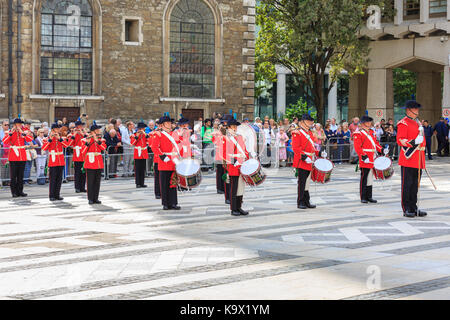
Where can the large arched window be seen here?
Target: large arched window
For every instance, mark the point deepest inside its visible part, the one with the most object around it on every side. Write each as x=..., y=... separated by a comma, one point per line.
x=192, y=50
x=66, y=47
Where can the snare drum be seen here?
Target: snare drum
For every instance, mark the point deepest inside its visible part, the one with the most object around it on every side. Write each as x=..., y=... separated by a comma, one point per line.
x=321, y=171
x=189, y=173
x=252, y=173
x=383, y=168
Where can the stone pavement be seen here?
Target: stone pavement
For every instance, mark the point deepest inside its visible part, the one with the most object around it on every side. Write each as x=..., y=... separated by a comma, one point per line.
x=128, y=248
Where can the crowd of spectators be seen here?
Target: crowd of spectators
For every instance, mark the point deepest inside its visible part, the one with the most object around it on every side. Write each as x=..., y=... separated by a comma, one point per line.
x=272, y=135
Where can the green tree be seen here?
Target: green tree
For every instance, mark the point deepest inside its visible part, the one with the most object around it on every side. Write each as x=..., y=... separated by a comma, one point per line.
x=299, y=109
x=309, y=36
x=404, y=85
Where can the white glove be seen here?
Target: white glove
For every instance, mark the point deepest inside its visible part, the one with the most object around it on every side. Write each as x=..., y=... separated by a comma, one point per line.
x=367, y=160
x=236, y=164
x=253, y=154
x=308, y=160
x=324, y=154
x=166, y=159
x=418, y=140
x=421, y=130
x=176, y=161
x=386, y=151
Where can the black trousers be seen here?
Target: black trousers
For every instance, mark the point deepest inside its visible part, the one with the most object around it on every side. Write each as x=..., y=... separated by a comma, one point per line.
x=410, y=186
x=168, y=194
x=93, y=177
x=365, y=191
x=55, y=180
x=428, y=148
x=220, y=186
x=235, y=201
x=16, y=170
x=80, y=177
x=302, y=195
x=442, y=145
x=139, y=171
x=156, y=177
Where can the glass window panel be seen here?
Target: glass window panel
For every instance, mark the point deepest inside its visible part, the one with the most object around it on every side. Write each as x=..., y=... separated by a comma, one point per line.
x=192, y=35
x=65, y=67
x=46, y=40
x=66, y=87
x=86, y=88
x=46, y=87
x=47, y=19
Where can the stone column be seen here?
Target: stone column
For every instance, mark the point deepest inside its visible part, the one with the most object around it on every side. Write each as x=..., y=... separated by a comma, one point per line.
x=281, y=93
x=357, y=96
x=332, y=103
x=398, y=19
x=446, y=93
x=424, y=10
x=429, y=95
x=380, y=94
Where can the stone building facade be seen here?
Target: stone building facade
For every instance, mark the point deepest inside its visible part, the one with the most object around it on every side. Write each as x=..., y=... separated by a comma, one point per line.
x=417, y=40
x=133, y=59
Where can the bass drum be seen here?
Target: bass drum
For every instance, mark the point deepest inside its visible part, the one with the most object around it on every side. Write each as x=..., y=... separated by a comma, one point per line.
x=383, y=168
x=189, y=173
x=252, y=173
x=321, y=171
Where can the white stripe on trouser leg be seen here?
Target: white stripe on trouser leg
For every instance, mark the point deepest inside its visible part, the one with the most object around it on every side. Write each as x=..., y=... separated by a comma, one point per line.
x=241, y=187
x=308, y=181
x=370, y=178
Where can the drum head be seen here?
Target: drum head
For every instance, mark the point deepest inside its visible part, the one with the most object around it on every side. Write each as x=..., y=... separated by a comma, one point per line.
x=188, y=167
x=382, y=163
x=249, y=167
x=324, y=165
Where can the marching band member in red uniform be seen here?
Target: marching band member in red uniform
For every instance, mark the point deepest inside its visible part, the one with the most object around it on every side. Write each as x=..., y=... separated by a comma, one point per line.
x=183, y=133
x=140, y=142
x=93, y=162
x=55, y=145
x=17, y=156
x=411, y=140
x=166, y=149
x=77, y=144
x=304, y=156
x=366, y=146
x=236, y=155
x=218, y=139
x=154, y=138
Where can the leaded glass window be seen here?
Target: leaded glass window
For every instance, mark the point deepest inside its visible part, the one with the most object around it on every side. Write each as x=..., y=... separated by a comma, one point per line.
x=192, y=50
x=66, y=47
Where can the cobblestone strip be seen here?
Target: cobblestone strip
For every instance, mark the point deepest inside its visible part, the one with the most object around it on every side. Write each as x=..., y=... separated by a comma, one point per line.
x=287, y=225
x=405, y=291
x=32, y=232
x=419, y=248
x=81, y=250
x=153, y=276
x=100, y=257
x=62, y=235
x=186, y=286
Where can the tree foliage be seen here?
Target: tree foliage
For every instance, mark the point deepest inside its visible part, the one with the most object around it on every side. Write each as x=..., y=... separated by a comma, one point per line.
x=309, y=36
x=298, y=109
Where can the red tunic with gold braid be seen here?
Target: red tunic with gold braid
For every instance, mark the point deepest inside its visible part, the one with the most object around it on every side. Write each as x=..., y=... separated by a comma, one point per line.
x=55, y=148
x=410, y=153
x=77, y=144
x=234, y=154
x=140, y=143
x=93, y=153
x=17, y=145
x=302, y=144
x=366, y=144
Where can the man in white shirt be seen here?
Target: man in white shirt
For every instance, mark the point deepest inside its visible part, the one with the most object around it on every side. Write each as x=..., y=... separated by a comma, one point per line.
x=333, y=125
x=128, y=149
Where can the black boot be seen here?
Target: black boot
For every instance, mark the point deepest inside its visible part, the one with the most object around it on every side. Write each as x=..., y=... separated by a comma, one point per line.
x=369, y=195
x=242, y=211
x=307, y=202
x=421, y=213
x=302, y=205
x=364, y=195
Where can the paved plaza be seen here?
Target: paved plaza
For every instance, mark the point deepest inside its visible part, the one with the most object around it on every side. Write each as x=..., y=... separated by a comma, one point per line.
x=128, y=248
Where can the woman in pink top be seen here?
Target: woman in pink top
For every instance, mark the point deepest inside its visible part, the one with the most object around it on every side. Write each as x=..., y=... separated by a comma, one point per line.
x=282, y=138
